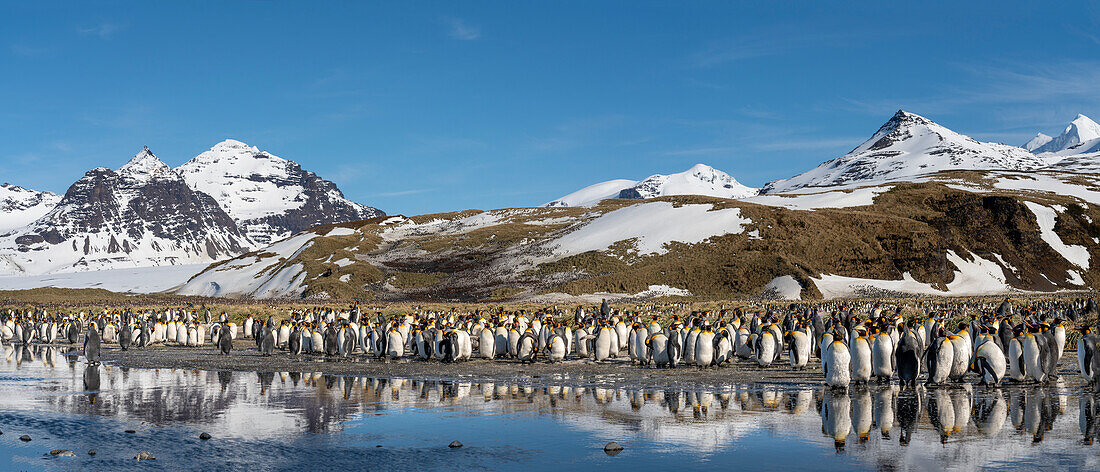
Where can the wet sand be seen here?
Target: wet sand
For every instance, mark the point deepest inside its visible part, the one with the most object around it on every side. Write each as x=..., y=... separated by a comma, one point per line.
x=581, y=372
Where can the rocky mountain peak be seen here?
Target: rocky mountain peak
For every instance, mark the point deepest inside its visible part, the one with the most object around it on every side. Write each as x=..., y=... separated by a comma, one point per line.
x=145, y=166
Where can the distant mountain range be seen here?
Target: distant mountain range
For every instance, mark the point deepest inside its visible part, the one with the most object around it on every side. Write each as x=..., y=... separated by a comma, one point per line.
x=222, y=203
x=906, y=146
x=915, y=209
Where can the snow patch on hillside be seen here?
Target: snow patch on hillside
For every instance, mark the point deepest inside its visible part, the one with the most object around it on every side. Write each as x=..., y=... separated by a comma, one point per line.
x=259, y=275
x=784, y=287
x=1047, y=217
x=976, y=277
x=847, y=198
x=653, y=225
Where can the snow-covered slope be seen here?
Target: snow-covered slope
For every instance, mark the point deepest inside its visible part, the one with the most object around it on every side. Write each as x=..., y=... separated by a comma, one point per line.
x=700, y=179
x=1081, y=131
x=143, y=214
x=909, y=145
x=593, y=194
x=19, y=206
x=269, y=197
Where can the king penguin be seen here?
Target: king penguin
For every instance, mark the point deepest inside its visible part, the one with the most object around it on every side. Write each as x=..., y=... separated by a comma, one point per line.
x=91, y=346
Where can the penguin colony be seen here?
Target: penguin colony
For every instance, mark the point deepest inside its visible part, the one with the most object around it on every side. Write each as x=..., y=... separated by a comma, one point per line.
x=856, y=343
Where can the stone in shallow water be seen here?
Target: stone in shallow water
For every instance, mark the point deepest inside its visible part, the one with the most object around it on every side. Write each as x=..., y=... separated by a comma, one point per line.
x=145, y=456
x=24, y=438
x=204, y=436
x=62, y=453
x=612, y=448
x=454, y=445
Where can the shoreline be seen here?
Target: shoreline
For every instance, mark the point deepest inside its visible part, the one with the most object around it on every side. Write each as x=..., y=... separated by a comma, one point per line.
x=618, y=373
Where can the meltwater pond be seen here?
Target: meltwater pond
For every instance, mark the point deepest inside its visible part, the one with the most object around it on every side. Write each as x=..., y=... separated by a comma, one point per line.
x=312, y=421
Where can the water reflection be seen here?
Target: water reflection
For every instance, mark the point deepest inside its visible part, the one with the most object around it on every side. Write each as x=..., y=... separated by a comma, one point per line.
x=877, y=425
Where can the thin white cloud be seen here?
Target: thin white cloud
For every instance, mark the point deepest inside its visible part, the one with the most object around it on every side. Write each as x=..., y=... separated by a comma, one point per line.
x=402, y=193
x=103, y=30
x=25, y=50
x=810, y=144
x=702, y=151
x=462, y=30
x=764, y=44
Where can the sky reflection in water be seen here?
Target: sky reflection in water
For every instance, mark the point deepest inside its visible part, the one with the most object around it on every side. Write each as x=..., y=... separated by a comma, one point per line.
x=301, y=421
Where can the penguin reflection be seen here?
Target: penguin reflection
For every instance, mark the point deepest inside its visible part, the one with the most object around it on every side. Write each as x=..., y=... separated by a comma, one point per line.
x=909, y=410
x=836, y=420
x=91, y=382
x=990, y=411
x=1087, y=420
x=941, y=413
x=862, y=417
x=885, y=400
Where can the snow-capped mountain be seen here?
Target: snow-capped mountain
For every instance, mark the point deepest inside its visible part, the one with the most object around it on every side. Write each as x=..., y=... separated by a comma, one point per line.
x=1082, y=135
x=20, y=206
x=1038, y=141
x=142, y=214
x=700, y=179
x=269, y=197
x=906, y=146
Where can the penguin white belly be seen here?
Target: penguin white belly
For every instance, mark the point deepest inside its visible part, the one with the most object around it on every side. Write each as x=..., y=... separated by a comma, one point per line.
x=1016, y=367
x=741, y=345
x=581, y=342
x=1033, y=366
x=838, y=365
x=704, y=349
x=882, y=363
x=621, y=331
x=604, y=344
x=861, y=360
x=556, y=348
x=799, y=351
x=991, y=363
x=395, y=344
x=961, y=360
x=641, y=351
x=766, y=349
x=513, y=342
x=658, y=349
x=486, y=346
x=944, y=361
x=465, y=345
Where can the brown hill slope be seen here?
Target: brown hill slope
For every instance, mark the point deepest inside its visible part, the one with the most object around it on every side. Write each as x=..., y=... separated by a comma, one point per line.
x=957, y=234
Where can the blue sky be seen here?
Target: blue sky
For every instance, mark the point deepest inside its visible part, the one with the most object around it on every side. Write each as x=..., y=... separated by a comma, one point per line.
x=419, y=107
